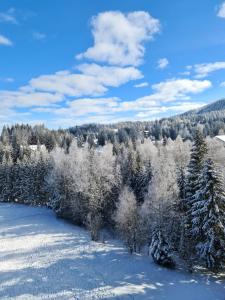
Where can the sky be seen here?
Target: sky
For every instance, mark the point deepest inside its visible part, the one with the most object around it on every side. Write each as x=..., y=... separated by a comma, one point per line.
x=70, y=62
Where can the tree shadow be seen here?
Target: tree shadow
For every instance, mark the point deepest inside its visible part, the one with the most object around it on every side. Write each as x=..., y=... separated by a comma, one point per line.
x=46, y=258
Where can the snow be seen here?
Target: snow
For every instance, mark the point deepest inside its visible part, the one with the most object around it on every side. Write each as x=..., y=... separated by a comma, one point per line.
x=221, y=137
x=42, y=257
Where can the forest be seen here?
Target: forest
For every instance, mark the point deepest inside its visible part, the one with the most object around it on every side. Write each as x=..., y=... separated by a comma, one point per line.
x=163, y=194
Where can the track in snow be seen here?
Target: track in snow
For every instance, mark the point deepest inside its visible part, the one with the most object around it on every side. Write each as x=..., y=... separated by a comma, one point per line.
x=42, y=257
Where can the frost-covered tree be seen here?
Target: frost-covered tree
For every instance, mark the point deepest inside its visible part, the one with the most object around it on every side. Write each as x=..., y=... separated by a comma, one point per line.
x=127, y=218
x=161, y=251
x=162, y=195
x=208, y=217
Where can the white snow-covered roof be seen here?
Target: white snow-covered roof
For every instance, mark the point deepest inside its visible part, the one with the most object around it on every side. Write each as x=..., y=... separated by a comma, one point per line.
x=221, y=137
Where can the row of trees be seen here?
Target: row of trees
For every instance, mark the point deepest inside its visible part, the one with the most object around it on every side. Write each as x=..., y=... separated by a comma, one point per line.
x=166, y=195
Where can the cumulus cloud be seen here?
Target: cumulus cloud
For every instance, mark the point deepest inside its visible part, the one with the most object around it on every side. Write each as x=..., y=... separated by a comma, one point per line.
x=22, y=98
x=173, y=89
x=141, y=85
x=44, y=93
x=93, y=80
x=163, y=63
x=221, y=11
x=158, y=102
x=119, y=38
x=4, y=41
x=79, y=95
x=203, y=70
x=89, y=106
x=167, y=91
x=110, y=76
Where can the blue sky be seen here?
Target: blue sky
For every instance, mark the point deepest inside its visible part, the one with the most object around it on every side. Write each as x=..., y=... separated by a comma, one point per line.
x=67, y=62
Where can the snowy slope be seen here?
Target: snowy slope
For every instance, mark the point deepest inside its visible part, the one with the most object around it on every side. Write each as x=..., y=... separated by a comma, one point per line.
x=42, y=257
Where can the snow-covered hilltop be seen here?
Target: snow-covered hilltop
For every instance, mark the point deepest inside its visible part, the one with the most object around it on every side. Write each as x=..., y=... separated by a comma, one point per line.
x=42, y=257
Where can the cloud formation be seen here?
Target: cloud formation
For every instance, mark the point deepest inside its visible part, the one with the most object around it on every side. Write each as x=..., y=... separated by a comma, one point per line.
x=8, y=16
x=93, y=80
x=4, y=41
x=79, y=95
x=203, y=70
x=141, y=85
x=221, y=11
x=164, y=92
x=119, y=38
x=163, y=63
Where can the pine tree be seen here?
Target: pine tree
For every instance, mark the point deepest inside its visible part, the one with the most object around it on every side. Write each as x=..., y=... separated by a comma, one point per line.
x=198, y=152
x=161, y=251
x=181, y=182
x=208, y=217
x=180, y=212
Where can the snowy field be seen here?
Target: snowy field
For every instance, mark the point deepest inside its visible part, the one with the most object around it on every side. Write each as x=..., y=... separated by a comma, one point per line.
x=42, y=257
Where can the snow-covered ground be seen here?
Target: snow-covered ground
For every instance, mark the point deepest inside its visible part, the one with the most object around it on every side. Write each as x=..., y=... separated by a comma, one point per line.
x=42, y=257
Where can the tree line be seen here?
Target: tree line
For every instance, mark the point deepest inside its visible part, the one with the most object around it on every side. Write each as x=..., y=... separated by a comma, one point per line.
x=165, y=195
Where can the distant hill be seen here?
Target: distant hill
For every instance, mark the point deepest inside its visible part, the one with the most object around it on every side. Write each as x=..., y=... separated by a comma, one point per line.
x=210, y=118
x=218, y=105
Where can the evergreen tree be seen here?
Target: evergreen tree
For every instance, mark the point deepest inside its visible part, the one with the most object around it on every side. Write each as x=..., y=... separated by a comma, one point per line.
x=198, y=152
x=208, y=217
x=161, y=251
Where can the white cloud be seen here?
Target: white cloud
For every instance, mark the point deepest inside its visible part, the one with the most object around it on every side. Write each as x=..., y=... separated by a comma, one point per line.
x=5, y=41
x=165, y=97
x=177, y=108
x=88, y=106
x=119, y=38
x=167, y=91
x=44, y=94
x=119, y=41
x=221, y=11
x=94, y=80
x=163, y=63
x=222, y=84
x=8, y=17
x=39, y=36
x=203, y=70
x=141, y=85
x=23, y=98
x=110, y=76
x=174, y=89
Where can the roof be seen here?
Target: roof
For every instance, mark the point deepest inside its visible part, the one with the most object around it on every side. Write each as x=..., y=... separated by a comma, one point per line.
x=221, y=137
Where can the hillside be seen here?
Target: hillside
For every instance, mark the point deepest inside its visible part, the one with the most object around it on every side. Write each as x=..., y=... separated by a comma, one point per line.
x=216, y=106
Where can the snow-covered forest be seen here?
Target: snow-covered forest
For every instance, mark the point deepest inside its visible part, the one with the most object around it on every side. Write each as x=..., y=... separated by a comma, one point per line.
x=167, y=196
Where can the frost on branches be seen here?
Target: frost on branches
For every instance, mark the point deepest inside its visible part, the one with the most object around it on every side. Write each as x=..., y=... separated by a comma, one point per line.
x=208, y=217
x=160, y=251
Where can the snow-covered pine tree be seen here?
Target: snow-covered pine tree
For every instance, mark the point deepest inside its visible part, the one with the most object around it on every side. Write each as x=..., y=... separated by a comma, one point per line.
x=161, y=251
x=198, y=153
x=208, y=217
x=180, y=212
x=181, y=182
